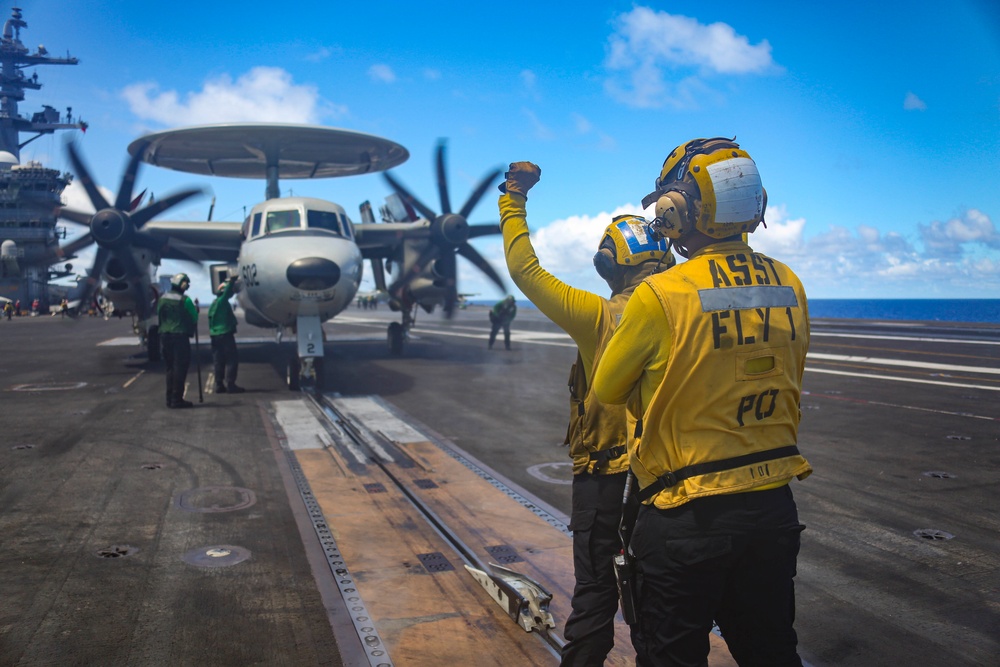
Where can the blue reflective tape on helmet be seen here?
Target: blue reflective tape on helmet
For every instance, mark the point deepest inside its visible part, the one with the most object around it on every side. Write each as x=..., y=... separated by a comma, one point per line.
x=635, y=244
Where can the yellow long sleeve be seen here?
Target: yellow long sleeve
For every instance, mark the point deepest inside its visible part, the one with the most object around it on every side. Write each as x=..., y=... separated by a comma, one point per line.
x=637, y=355
x=575, y=311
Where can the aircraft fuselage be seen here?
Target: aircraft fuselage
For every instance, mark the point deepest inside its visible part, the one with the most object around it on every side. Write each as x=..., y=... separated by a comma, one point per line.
x=298, y=258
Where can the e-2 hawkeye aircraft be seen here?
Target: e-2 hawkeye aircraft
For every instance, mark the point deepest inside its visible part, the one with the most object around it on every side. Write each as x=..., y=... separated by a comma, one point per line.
x=299, y=259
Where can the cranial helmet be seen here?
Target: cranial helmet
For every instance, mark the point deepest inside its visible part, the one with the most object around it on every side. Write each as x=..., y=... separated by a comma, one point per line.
x=180, y=280
x=626, y=243
x=708, y=185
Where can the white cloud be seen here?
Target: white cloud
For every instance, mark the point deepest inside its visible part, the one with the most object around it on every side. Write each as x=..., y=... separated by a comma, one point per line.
x=955, y=255
x=528, y=78
x=647, y=43
x=913, y=103
x=583, y=125
x=541, y=131
x=432, y=74
x=382, y=73
x=946, y=239
x=837, y=262
x=264, y=94
x=321, y=54
x=75, y=197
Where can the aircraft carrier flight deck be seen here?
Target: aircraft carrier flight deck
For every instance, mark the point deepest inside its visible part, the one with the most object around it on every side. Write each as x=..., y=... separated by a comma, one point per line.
x=287, y=528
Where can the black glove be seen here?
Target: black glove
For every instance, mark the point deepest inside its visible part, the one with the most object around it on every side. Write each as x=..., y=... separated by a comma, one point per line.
x=521, y=178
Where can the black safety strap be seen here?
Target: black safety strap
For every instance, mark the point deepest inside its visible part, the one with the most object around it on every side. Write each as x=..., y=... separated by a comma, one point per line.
x=664, y=482
x=605, y=456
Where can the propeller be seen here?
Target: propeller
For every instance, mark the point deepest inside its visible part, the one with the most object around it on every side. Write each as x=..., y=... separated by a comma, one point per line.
x=448, y=235
x=116, y=229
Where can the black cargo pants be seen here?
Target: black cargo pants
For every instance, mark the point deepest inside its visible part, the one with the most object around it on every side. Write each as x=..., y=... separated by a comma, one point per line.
x=225, y=358
x=730, y=558
x=597, y=510
x=177, y=357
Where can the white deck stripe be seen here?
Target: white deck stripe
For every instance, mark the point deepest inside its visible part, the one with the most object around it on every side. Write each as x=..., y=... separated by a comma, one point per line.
x=904, y=363
x=301, y=427
x=892, y=378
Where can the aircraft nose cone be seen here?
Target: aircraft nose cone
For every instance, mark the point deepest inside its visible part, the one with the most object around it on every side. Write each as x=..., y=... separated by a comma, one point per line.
x=313, y=274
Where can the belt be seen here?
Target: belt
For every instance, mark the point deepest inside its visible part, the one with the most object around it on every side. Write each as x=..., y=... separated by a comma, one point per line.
x=605, y=456
x=669, y=479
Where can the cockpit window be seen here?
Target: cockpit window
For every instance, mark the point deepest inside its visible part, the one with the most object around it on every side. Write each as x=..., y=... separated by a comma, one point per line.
x=256, y=226
x=348, y=228
x=324, y=220
x=278, y=220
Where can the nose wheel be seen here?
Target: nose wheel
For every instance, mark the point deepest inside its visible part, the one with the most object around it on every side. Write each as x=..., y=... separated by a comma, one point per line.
x=304, y=373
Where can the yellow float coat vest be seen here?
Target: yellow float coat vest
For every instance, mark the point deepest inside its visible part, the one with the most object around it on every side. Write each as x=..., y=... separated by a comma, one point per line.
x=725, y=417
x=597, y=442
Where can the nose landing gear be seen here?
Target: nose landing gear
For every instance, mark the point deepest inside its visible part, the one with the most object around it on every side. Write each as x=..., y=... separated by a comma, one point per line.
x=305, y=365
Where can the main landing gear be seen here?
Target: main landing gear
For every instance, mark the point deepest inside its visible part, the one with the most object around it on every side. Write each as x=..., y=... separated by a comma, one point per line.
x=399, y=332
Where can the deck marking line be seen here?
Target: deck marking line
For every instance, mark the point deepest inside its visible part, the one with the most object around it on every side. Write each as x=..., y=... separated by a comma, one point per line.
x=900, y=379
x=298, y=423
x=904, y=363
x=133, y=379
x=865, y=401
x=919, y=339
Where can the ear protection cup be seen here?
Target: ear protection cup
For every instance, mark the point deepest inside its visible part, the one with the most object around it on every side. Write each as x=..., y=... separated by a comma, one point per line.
x=673, y=217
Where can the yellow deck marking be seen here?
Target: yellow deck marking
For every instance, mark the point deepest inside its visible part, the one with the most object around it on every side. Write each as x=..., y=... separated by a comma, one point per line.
x=133, y=379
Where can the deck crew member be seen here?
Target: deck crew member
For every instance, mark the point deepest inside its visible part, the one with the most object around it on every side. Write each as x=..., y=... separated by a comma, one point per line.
x=222, y=329
x=597, y=434
x=178, y=318
x=713, y=351
x=501, y=316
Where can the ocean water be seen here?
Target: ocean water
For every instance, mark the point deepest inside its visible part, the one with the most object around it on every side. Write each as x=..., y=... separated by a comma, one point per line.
x=935, y=310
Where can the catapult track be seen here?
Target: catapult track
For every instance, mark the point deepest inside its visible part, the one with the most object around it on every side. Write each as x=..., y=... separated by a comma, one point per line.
x=426, y=544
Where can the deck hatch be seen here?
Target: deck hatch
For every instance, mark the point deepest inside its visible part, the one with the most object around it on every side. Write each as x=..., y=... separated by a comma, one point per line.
x=933, y=534
x=435, y=562
x=375, y=487
x=504, y=554
x=425, y=483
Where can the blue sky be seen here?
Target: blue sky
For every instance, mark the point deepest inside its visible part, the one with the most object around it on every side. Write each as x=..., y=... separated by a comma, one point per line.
x=876, y=128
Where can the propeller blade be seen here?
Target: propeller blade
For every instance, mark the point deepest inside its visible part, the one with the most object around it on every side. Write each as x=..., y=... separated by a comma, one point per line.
x=93, y=278
x=143, y=307
x=144, y=215
x=429, y=253
x=79, y=217
x=407, y=197
x=123, y=201
x=442, y=178
x=478, y=193
x=471, y=254
x=131, y=266
x=69, y=249
x=378, y=273
x=476, y=231
x=96, y=198
x=447, y=267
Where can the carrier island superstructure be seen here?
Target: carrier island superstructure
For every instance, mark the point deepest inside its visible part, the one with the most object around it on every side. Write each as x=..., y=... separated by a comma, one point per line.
x=29, y=192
